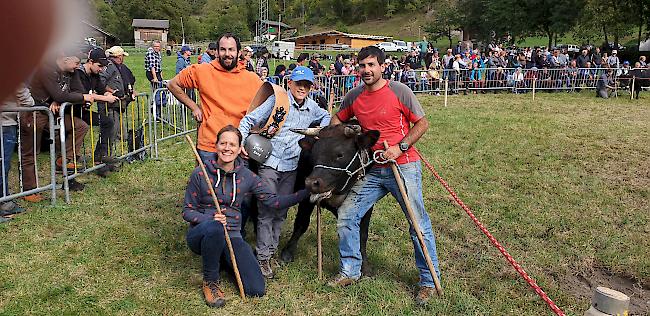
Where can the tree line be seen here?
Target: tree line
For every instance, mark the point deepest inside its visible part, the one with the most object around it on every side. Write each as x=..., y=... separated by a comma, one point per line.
x=589, y=21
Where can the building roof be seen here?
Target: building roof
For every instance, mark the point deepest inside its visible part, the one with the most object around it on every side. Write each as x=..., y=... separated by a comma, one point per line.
x=338, y=33
x=153, y=24
x=98, y=29
x=275, y=23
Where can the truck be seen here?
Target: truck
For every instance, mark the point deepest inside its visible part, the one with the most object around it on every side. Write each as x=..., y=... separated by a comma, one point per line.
x=283, y=50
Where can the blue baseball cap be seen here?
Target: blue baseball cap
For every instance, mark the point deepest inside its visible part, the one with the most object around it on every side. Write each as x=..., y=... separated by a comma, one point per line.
x=302, y=73
x=185, y=49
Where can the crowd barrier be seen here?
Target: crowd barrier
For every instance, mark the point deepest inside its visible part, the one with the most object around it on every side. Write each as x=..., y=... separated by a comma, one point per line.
x=121, y=130
x=33, y=122
x=172, y=118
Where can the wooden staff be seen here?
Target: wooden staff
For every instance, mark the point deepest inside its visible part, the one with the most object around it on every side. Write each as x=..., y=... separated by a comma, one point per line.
x=319, y=242
x=632, y=88
x=216, y=203
x=416, y=226
x=446, y=89
x=534, y=84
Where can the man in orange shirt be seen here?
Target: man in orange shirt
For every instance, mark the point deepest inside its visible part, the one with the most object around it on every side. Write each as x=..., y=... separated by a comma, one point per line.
x=226, y=89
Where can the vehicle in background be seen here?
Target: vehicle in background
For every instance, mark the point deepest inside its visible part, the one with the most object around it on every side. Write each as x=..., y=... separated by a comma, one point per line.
x=402, y=46
x=570, y=48
x=283, y=50
x=388, y=47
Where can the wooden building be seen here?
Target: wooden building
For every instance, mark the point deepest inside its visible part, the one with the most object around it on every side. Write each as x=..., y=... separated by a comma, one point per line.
x=336, y=39
x=101, y=37
x=146, y=31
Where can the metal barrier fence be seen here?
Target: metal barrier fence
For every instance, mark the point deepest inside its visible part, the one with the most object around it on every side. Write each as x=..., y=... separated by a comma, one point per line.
x=95, y=134
x=172, y=118
x=31, y=124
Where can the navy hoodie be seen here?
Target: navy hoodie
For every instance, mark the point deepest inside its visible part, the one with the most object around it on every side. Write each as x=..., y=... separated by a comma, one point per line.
x=231, y=188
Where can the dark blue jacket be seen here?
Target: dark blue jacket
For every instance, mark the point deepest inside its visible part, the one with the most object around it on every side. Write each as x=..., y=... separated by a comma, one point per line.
x=231, y=188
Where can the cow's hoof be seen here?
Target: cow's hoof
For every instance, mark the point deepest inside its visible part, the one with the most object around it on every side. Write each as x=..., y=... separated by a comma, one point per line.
x=366, y=269
x=286, y=256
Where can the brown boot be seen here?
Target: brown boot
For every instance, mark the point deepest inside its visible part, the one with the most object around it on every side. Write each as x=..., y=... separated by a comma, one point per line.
x=265, y=267
x=34, y=198
x=424, y=295
x=214, y=297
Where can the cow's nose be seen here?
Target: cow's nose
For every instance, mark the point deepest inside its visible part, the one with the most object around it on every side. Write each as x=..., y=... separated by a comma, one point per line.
x=313, y=184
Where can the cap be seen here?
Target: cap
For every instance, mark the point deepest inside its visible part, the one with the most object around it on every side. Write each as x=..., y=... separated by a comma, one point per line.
x=302, y=73
x=116, y=51
x=98, y=55
x=212, y=46
x=185, y=49
x=626, y=62
x=248, y=49
x=387, y=61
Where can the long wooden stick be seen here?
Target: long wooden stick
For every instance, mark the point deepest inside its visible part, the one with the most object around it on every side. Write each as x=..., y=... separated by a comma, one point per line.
x=216, y=203
x=416, y=226
x=319, y=243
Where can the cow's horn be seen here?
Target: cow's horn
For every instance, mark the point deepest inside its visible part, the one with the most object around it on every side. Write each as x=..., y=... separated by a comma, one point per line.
x=352, y=130
x=312, y=131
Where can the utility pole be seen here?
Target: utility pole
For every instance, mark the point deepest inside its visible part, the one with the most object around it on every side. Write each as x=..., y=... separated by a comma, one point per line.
x=279, y=26
x=263, y=28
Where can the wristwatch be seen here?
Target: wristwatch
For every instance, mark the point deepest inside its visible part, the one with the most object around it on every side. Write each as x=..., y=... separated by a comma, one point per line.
x=403, y=146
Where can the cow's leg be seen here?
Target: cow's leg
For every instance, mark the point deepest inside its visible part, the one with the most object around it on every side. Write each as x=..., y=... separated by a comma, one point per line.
x=366, y=269
x=300, y=226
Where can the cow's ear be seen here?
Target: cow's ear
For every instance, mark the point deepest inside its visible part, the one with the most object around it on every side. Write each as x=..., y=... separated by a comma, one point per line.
x=307, y=142
x=368, y=139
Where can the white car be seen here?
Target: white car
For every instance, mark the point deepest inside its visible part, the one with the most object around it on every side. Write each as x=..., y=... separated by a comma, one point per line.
x=402, y=46
x=389, y=47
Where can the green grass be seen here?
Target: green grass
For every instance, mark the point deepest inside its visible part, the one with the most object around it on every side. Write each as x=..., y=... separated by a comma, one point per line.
x=562, y=182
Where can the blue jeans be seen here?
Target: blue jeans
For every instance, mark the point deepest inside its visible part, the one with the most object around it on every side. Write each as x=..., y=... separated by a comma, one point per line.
x=208, y=240
x=376, y=184
x=9, y=139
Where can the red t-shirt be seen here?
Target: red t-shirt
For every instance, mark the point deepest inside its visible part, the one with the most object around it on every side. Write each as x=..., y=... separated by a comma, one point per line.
x=390, y=110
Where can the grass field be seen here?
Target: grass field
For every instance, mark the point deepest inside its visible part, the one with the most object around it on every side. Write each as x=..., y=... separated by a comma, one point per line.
x=562, y=182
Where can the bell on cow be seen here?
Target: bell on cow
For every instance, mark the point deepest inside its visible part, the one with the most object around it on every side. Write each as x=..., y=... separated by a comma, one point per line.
x=258, y=147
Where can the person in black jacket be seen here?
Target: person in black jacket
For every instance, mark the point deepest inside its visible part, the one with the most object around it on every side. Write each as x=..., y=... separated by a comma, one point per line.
x=233, y=183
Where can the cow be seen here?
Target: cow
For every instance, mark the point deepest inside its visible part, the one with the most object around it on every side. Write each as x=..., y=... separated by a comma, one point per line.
x=332, y=160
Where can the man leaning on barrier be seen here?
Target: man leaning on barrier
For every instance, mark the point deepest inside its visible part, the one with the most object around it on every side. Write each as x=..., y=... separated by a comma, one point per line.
x=53, y=84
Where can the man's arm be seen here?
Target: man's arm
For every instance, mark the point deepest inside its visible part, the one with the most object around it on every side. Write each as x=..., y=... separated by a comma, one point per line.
x=177, y=90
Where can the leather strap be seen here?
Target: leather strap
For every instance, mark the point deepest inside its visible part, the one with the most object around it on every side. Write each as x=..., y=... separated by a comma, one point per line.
x=280, y=109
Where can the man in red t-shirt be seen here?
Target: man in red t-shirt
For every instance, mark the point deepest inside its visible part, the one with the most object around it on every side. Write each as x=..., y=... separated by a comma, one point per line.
x=391, y=108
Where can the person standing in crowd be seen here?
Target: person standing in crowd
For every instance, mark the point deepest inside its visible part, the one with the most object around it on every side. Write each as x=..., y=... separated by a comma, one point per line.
x=280, y=169
x=225, y=87
x=401, y=124
x=262, y=60
x=246, y=58
x=183, y=61
x=582, y=59
x=206, y=237
x=424, y=48
x=153, y=65
x=338, y=65
x=300, y=61
x=9, y=125
x=314, y=64
x=116, y=56
x=52, y=85
x=209, y=54
x=614, y=62
x=597, y=58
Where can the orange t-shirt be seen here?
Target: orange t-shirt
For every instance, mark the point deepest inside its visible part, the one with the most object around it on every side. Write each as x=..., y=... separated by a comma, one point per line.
x=225, y=96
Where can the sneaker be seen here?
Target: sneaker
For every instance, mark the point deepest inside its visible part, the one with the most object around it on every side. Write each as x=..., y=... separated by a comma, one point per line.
x=265, y=266
x=10, y=208
x=34, y=198
x=424, y=295
x=341, y=280
x=214, y=297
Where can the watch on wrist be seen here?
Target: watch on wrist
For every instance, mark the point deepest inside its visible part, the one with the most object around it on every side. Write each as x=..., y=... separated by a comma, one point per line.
x=403, y=146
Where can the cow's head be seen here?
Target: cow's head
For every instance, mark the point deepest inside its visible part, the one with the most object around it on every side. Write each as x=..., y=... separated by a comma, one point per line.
x=333, y=151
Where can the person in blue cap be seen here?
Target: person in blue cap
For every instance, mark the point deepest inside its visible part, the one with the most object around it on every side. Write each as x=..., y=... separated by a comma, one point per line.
x=183, y=61
x=279, y=169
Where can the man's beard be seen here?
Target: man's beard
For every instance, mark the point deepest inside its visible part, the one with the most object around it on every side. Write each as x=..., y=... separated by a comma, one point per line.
x=230, y=67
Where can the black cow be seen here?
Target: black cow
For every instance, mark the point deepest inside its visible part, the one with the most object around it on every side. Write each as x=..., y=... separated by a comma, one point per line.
x=332, y=160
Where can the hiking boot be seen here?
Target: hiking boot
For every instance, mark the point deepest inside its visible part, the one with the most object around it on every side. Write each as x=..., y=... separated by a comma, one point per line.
x=341, y=280
x=424, y=295
x=214, y=297
x=265, y=266
x=10, y=208
x=75, y=186
x=70, y=166
x=34, y=198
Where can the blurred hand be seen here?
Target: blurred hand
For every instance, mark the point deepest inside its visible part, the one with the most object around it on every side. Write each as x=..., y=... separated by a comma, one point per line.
x=198, y=114
x=244, y=153
x=54, y=107
x=392, y=153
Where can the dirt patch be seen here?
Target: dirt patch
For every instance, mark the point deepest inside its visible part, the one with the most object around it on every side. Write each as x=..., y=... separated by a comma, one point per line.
x=582, y=284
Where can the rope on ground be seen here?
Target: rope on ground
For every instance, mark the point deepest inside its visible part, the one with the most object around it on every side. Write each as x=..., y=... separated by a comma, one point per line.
x=494, y=242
